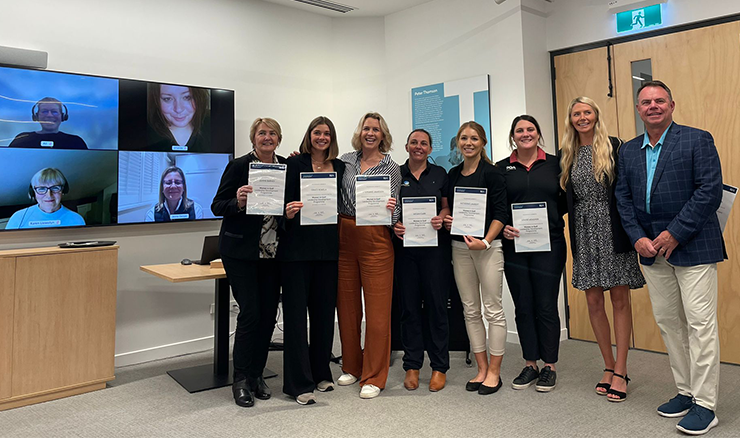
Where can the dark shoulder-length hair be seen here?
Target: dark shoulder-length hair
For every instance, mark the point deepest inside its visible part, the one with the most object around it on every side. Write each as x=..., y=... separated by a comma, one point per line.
x=526, y=118
x=200, y=98
x=185, y=201
x=333, y=151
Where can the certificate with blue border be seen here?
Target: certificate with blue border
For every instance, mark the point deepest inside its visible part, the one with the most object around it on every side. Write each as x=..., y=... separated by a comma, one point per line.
x=319, y=198
x=417, y=218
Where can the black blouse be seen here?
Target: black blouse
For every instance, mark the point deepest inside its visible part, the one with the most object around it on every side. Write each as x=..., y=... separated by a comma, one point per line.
x=312, y=242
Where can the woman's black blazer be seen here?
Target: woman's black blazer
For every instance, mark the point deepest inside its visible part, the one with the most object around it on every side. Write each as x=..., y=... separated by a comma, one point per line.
x=621, y=241
x=240, y=233
x=314, y=242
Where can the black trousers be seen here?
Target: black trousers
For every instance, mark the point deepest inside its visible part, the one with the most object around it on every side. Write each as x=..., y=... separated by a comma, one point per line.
x=534, y=280
x=256, y=287
x=308, y=285
x=424, y=276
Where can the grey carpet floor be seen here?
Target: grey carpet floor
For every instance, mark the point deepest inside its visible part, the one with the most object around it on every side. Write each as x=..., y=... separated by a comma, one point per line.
x=143, y=401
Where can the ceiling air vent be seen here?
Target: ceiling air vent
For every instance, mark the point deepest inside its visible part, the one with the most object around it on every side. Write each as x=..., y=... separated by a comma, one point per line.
x=328, y=5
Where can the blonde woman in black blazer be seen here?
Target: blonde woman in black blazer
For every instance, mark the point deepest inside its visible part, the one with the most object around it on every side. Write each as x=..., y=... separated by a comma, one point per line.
x=248, y=246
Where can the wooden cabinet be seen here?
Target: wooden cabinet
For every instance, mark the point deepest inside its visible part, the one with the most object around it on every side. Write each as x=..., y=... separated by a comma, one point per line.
x=57, y=322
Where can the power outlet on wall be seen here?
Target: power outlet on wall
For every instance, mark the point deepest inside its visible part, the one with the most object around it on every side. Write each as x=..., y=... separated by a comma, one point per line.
x=234, y=308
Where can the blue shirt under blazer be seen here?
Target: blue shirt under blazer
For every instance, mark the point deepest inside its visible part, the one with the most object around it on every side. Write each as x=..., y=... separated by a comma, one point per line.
x=685, y=194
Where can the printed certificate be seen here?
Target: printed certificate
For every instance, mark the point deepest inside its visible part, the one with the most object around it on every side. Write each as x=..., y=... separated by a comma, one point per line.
x=371, y=196
x=728, y=198
x=417, y=218
x=319, y=197
x=469, y=212
x=530, y=218
x=268, y=189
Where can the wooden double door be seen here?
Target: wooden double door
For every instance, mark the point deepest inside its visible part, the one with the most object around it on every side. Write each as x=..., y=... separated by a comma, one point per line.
x=701, y=67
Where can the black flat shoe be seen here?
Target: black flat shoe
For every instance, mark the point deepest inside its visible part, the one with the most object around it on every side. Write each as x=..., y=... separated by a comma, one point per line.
x=242, y=394
x=486, y=390
x=473, y=386
x=261, y=390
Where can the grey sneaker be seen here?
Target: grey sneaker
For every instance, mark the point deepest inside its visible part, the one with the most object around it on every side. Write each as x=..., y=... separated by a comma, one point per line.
x=547, y=380
x=526, y=378
x=678, y=406
x=325, y=386
x=307, y=398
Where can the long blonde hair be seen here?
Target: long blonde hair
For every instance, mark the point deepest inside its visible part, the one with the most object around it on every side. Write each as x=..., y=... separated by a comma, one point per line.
x=603, y=160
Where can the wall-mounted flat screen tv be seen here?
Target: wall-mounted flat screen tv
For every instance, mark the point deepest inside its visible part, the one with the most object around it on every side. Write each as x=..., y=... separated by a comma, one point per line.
x=80, y=150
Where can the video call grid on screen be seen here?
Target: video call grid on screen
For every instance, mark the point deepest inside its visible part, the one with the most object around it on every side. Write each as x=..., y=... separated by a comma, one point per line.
x=78, y=150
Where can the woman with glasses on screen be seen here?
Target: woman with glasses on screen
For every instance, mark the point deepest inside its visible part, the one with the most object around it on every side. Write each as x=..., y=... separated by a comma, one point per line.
x=174, y=203
x=47, y=188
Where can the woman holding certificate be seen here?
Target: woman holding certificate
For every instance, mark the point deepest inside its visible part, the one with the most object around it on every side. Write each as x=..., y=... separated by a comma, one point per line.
x=367, y=210
x=248, y=245
x=478, y=197
x=308, y=252
x=534, y=250
x=603, y=258
x=423, y=265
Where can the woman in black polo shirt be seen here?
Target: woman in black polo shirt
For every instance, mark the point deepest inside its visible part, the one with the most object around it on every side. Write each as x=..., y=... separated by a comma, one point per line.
x=423, y=273
x=534, y=278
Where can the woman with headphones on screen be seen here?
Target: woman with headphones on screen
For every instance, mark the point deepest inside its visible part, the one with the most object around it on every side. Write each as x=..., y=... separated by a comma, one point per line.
x=248, y=245
x=47, y=188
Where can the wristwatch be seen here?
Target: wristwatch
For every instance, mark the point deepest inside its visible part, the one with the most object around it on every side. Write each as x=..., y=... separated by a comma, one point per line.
x=485, y=242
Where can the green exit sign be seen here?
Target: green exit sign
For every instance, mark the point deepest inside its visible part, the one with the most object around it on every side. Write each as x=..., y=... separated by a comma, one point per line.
x=638, y=19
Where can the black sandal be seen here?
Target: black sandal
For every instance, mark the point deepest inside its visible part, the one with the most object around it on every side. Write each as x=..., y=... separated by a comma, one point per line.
x=606, y=386
x=621, y=396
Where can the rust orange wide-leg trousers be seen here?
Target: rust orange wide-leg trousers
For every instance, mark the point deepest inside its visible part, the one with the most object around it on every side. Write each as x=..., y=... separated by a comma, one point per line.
x=365, y=268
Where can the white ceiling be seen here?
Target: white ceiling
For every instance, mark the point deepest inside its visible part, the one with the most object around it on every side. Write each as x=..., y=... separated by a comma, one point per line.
x=365, y=8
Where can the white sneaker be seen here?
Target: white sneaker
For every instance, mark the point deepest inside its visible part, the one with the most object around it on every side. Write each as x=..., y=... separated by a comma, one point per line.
x=369, y=391
x=325, y=386
x=346, y=379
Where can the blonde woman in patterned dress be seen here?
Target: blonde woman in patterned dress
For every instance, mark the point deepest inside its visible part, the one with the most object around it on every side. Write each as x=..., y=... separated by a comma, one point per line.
x=603, y=257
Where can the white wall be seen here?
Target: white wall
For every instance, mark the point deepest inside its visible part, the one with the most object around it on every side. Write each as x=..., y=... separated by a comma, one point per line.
x=575, y=22
x=293, y=65
x=277, y=59
x=443, y=41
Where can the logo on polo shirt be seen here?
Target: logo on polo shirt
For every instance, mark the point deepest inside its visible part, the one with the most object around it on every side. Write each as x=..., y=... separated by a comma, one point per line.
x=406, y=184
x=510, y=168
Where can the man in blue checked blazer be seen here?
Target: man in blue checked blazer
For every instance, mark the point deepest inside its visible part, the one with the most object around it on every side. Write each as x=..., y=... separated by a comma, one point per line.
x=668, y=190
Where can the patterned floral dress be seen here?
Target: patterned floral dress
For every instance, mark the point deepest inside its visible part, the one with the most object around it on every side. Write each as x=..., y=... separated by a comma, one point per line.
x=596, y=264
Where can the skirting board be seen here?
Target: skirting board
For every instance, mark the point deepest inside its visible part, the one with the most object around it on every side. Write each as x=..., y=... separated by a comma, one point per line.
x=206, y=343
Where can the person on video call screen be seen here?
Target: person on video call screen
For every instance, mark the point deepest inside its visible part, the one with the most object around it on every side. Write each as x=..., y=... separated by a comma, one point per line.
x=50, y=113
x=174, y=203
x=177, y=117
x=47, y=188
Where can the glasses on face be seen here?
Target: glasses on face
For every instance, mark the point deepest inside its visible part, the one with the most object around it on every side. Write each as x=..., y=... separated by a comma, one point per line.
x=173, y=182
x=41, y=190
